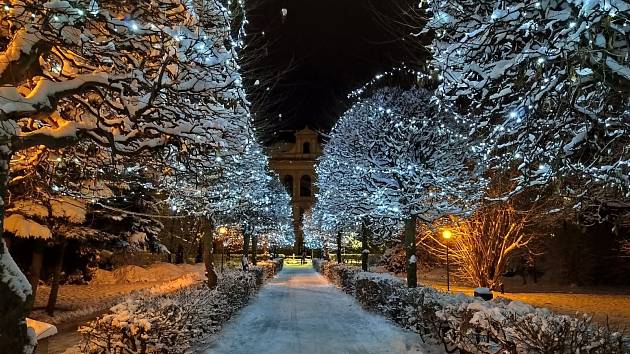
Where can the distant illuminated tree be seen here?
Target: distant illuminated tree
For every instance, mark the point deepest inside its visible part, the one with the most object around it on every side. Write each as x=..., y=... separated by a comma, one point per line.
x=398, y=155
x=274, y=222
x=236, y=189
x=314, y=236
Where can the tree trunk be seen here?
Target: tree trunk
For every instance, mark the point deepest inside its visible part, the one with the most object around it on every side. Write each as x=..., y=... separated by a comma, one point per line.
x=245, y=260
x=36, y=268
x=15, y=291
x=200, y=252
x=265, y=250
x=338, y=246
x=254, y=249
x=365, y=252
x=54, y=288
x=208, y=256
x=410, y=251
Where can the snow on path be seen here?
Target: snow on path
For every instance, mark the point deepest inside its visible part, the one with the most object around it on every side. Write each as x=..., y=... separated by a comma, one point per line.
x=301, y=312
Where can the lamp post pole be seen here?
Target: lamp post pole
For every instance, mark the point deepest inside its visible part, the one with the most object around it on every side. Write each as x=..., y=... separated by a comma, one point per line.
x=222, y=251
x=446, y=234
x=223, y=232
x=448, y=274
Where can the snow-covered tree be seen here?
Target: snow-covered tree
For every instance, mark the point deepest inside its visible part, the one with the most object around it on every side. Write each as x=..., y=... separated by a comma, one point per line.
x=233, y=189
x=397, y=154
x=545, y=83
x=276, y=221
x=128, y=76
x=51, y=193
x=314, y=236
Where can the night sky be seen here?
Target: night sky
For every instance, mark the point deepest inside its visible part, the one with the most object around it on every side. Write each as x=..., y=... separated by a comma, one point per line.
x=330, y=47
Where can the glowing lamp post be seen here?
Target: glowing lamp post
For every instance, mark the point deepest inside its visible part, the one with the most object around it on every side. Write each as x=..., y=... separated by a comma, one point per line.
x=446, y=234
x=222, y=232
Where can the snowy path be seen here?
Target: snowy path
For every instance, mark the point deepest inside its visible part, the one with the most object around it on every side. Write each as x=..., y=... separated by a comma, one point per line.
x=300, y=312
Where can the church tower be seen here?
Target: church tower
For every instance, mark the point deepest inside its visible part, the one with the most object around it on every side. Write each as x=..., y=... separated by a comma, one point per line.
x=295, y=164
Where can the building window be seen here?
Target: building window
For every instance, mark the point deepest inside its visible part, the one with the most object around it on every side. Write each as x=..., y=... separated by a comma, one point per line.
x=305, y=186
x=288, y=184
x=306, y=148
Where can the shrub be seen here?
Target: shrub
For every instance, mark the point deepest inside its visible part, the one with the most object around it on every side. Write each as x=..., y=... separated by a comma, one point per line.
x=471, y=325
x=394, y=260
x=340, y=274
x=318, y=264
x=259, y=274
x=270, y=268
x=174, y=322
x=481, y=327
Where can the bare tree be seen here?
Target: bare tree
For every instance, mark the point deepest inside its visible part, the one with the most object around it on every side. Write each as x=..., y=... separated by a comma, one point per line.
x=479, y=246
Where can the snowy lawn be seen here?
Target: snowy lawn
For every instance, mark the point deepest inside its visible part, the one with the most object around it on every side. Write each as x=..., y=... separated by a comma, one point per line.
x=301, y=312
x=602, y=304
x=79, y=303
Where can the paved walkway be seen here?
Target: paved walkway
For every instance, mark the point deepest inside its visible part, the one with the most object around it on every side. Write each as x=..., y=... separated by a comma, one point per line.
x=300, y=312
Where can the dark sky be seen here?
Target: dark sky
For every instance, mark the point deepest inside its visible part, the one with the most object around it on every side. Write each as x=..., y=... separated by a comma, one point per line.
x=330, y=47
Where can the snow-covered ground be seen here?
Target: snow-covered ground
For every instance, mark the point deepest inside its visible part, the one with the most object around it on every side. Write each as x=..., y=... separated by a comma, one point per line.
x=76, y=301
x=301, y=312
x=601, y=303
x=77, y=304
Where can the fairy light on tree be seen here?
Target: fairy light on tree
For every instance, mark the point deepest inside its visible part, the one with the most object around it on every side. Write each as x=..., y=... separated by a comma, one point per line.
x=391, y=157
x=79, y=89
x=545, y=84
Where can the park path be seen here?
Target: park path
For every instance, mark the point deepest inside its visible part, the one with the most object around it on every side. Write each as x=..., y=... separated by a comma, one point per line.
x=299, y=311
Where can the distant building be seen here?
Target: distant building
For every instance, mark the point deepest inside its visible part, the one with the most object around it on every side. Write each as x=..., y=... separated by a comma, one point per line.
x=294, y=162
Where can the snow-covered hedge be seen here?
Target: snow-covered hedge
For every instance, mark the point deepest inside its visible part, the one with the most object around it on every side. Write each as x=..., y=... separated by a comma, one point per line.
x=394, y=259
x=267, y=269
x=341, y=275
x=472, y=325
x=175, y=322
x=318, y=263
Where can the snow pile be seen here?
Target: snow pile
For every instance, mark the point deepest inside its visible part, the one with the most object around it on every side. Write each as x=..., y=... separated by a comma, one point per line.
x=472, y=325
x=102, y=277
x=132, y=274
x=177, y=284
x=153, y=273
x=171, y=322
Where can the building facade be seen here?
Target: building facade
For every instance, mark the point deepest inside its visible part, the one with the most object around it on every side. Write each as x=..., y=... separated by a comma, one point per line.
x=295, y=165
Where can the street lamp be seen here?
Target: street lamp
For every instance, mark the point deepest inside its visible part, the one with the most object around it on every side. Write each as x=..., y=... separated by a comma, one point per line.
x=446, y=234
x=222, y=232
